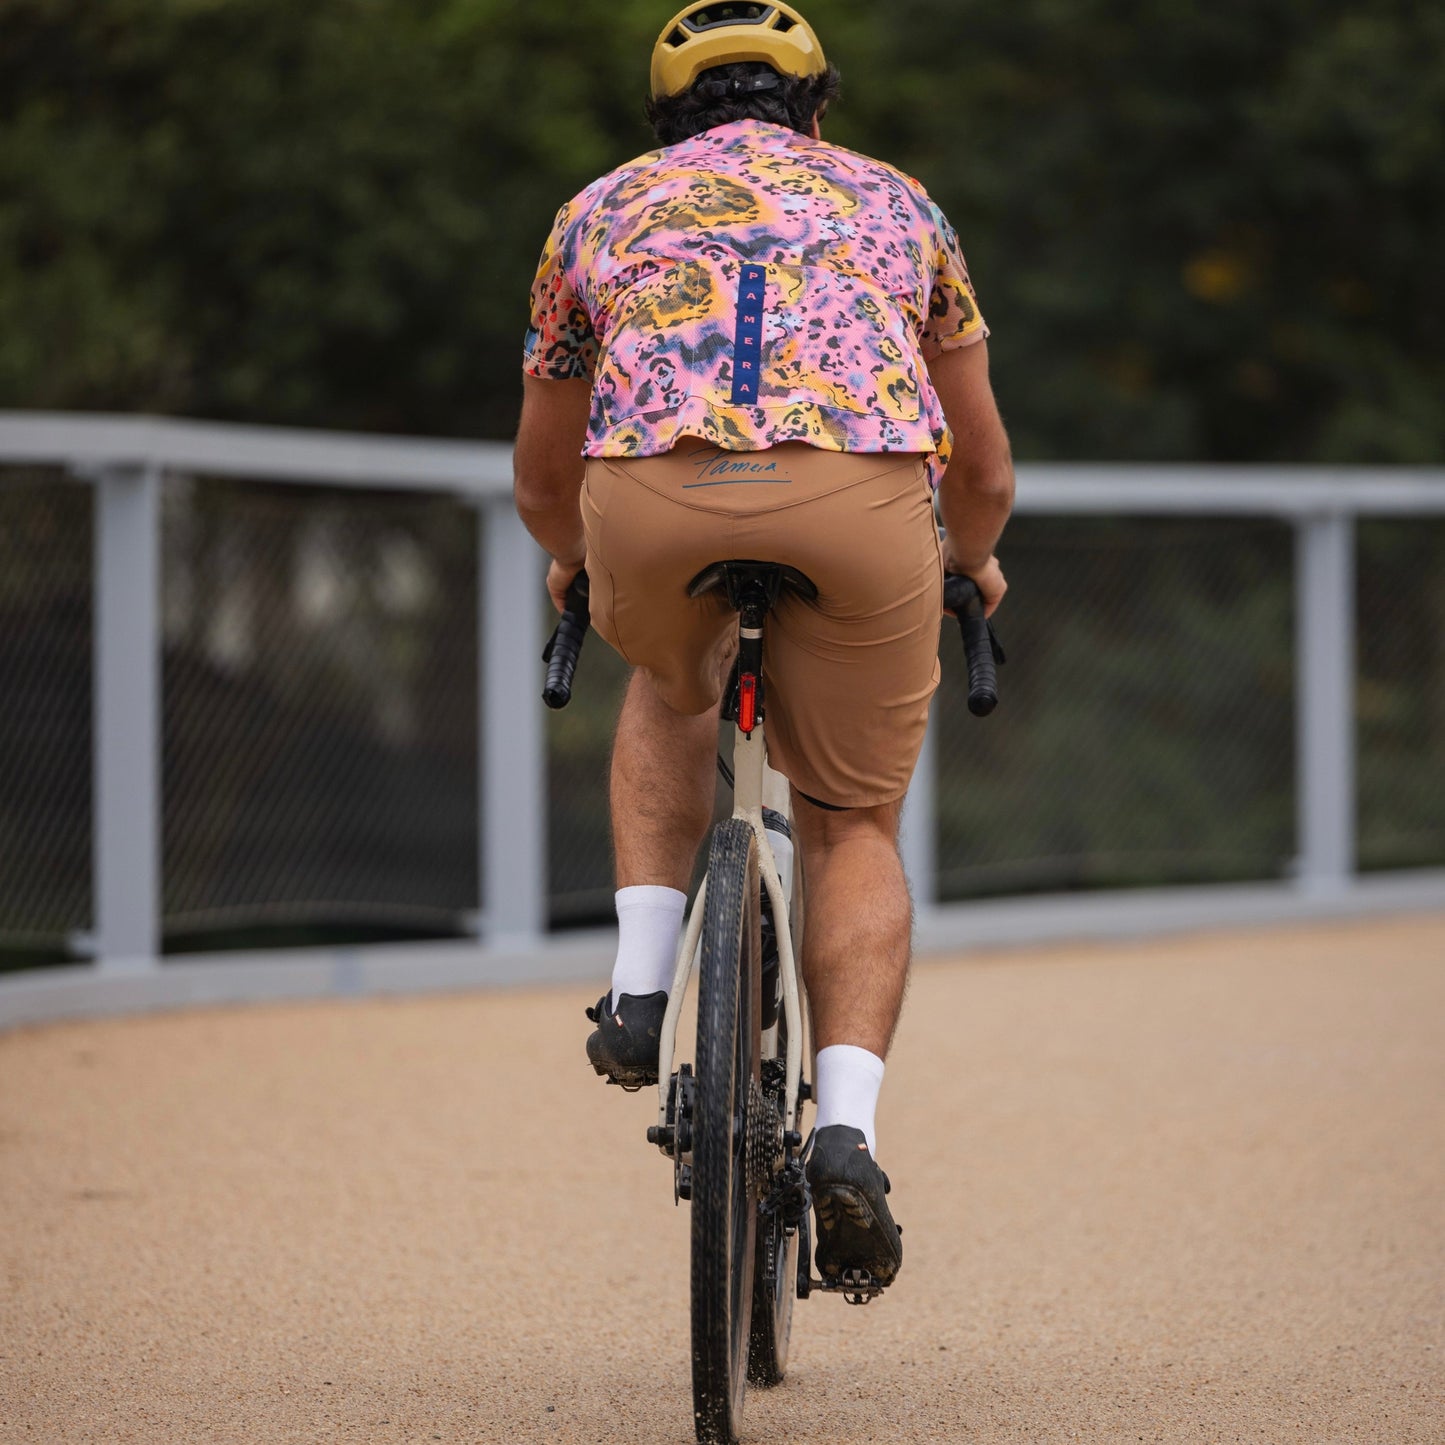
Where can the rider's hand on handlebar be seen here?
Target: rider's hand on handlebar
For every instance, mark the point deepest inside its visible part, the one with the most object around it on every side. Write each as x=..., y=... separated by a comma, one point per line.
x=559, y=579
x=989, y=578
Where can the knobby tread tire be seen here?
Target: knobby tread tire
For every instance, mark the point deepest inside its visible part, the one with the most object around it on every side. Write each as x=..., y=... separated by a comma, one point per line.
x=772, y=1323
x=724, y=1204
x=772, y=1312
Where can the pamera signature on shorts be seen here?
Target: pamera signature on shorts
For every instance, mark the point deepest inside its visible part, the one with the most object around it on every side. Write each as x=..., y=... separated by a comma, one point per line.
x=719, y=468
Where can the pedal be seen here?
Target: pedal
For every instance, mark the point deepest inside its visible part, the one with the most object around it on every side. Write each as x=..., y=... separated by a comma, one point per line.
x=856, y=1286
x=628, y=1086
x=859, y=1287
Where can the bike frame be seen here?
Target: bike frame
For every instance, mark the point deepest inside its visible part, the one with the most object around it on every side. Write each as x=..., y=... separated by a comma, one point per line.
x=755, y=786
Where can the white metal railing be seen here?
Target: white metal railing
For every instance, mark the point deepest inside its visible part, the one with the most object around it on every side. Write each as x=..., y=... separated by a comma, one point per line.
x=125, y=459
x=1322, y=504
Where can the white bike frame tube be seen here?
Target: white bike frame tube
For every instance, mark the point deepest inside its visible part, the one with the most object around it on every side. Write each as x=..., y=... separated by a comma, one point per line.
x=750, y=776
x=667, y=1039
x=754, y=782
x=788, y=971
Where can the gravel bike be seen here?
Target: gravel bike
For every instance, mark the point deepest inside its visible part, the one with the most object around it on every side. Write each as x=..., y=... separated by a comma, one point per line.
x=730, y=1121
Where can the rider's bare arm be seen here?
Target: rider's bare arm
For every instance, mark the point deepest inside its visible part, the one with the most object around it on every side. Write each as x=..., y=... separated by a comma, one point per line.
x=547, y=468
x=976, y=494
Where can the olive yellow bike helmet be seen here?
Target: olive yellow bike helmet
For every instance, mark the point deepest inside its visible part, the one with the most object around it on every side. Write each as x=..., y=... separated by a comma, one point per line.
x=702, y=36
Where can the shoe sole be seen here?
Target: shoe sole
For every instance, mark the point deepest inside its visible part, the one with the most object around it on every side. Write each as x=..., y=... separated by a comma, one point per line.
x=851, y=1236
x=627, y=1078
x=630, y=1076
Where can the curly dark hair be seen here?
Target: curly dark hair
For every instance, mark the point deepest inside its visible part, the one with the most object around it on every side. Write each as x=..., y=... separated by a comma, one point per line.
x=744, y=90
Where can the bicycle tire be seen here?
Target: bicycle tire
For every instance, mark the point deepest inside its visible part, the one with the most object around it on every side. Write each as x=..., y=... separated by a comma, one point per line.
x=774, y=1297
x=774, y=1292
x=724, y=1198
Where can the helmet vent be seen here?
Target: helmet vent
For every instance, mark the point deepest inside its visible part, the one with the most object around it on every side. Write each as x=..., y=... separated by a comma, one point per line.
x=708, y=17
x=783, y=24
x=677, y=37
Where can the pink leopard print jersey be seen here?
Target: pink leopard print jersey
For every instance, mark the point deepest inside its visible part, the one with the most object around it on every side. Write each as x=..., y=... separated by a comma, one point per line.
x=752, y=286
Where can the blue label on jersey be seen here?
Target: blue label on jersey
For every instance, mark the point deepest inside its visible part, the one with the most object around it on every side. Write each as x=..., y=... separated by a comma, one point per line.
x=748, y=341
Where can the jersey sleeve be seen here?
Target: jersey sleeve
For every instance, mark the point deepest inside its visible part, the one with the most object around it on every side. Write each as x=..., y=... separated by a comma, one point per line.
x=953, y=315
x=561, y=344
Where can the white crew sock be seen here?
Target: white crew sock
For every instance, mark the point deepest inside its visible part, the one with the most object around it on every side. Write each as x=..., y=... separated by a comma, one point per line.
x=846, y=1088
x=649, y=928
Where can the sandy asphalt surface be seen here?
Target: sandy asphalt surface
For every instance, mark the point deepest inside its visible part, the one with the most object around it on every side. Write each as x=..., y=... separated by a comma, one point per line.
x=1163, y=1191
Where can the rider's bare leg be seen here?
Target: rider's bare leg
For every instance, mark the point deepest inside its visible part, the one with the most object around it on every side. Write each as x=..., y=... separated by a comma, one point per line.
x=859, y=923
x=662, y=788
x=856, y=938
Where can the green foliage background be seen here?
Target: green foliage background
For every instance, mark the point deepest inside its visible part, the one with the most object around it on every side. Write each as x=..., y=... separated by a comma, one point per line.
x=1198, y=231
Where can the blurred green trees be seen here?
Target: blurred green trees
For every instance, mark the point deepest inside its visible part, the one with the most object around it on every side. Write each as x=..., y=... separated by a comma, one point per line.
x=1204, y=232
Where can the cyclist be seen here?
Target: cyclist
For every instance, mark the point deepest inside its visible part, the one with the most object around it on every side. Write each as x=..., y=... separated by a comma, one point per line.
x=752, y=343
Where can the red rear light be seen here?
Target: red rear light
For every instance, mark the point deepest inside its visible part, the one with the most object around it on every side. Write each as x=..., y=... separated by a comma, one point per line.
x=747, y=702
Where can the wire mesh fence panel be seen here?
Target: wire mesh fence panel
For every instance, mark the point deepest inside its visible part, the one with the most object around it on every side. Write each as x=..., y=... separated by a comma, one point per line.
x=1145, y=733
x=320, y=712
x=45, y=708
x=1400, y=698
x=320, y=708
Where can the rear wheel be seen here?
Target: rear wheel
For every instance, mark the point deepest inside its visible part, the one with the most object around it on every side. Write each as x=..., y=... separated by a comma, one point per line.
x=775, y=1272
x=775, y=1269
x=729, y=1089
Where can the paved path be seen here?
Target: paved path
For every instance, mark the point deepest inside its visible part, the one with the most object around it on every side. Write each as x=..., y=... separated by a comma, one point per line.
x=1172, y=1191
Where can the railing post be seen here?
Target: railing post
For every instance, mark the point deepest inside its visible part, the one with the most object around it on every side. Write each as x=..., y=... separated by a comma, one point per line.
x=126, y=832
x=513, y=741
x=918, y=831
x=1325, y=700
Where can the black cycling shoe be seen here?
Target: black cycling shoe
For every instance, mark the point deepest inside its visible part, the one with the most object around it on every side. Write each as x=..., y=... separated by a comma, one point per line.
x=623, y=1047
x=856, y=1232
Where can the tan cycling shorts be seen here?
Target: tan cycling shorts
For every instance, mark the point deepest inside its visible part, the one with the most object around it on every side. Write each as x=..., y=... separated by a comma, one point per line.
x=847, y=678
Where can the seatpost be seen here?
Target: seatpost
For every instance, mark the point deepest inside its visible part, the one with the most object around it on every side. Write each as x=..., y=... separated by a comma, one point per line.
x=752, y=601
x=753, y=609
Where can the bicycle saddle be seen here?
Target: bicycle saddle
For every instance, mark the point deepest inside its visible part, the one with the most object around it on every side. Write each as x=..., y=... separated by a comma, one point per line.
x=764, y=582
